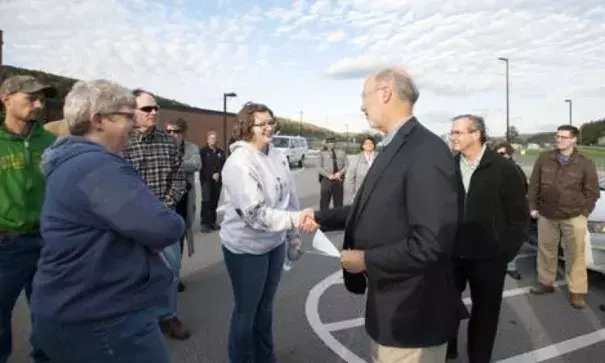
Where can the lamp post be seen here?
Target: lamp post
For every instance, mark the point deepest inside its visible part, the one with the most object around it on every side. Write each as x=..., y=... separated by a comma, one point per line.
x=300, y=124
x=569, y=102
x=225, y=96
x=505, y=60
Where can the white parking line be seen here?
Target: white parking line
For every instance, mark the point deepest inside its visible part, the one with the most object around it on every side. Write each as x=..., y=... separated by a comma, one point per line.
x=558, y=349
x=354, y=323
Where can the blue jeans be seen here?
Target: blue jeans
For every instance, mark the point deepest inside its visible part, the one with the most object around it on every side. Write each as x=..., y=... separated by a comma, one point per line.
x=132, y=338
x=169, y=303
x=18, y=259
x=254, y=279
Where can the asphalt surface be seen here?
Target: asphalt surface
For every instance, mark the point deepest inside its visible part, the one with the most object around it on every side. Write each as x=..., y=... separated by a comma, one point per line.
x=316, y=320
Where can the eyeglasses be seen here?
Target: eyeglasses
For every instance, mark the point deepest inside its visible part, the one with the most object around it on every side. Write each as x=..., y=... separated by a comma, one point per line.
x=174, y=131
x=271, y=123
x=563, y=137
x=457, y=133
x=149, y=109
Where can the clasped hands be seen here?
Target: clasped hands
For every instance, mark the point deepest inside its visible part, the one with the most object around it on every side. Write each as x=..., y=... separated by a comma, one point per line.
x=307, y=221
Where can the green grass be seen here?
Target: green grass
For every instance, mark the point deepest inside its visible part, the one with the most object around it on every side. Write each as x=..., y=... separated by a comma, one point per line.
x=596, y=153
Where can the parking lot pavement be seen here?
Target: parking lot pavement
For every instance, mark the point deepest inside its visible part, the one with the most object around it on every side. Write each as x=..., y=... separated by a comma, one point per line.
x=316, y=320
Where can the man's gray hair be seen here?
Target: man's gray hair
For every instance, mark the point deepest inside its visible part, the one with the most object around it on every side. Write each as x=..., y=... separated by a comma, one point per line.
x=478, y=124
x=86, y=99
x=404, y=85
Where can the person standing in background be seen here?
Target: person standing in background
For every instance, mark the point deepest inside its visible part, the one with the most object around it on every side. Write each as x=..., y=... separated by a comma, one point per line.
x=331, y=166
x=22, y=186
x=359, y=166
x=191, y=164
x=158, y=159
x=213, y=159
x=563, y=191
x=506, y=151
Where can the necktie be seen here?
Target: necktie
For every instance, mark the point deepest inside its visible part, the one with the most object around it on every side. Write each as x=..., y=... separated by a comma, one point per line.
x=334, y=163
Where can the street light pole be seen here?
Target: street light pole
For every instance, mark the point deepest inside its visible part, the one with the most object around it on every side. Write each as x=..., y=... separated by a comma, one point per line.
x=300, y=123
x=225, y=96
x=505, y=60
x=347, y=136
x=570, y=119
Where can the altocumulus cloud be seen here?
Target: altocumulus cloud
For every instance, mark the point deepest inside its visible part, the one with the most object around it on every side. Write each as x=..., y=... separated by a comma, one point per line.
x=452, y=46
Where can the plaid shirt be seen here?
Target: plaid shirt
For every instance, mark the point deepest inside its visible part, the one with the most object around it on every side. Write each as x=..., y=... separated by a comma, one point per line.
x=158, y=158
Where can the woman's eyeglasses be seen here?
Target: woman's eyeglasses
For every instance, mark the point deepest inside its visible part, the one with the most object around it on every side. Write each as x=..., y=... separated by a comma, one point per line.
x=271, y=123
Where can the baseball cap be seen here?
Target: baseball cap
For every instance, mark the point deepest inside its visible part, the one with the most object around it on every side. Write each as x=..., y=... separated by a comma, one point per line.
x=26, y=84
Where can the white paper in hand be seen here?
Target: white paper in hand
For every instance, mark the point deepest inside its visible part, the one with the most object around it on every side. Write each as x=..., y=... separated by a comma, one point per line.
x=324, y=245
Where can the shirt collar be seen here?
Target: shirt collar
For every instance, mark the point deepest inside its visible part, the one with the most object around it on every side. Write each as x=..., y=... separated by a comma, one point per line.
x=391, y=134
x=477, y=160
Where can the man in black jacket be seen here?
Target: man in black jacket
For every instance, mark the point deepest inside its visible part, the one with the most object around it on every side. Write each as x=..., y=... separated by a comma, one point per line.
x=493, y=229
x=213, y=159
x=506, y=151
x=400, y=230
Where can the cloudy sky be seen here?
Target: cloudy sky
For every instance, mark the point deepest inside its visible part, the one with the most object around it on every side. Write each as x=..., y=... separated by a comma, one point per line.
x=313, y=55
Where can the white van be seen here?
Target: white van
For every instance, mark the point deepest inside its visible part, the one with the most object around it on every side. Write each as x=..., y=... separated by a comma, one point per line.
x=295, y=148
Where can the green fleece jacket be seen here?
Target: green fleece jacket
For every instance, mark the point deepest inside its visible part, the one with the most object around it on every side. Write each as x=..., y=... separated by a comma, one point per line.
x=22, y=184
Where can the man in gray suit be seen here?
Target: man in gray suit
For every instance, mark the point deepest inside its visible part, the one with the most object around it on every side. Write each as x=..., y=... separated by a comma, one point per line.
x=332, y=165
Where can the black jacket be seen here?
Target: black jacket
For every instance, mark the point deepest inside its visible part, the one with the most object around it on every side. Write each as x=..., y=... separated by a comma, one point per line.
x=212, y=162
x=405, y=218
x=496, y=212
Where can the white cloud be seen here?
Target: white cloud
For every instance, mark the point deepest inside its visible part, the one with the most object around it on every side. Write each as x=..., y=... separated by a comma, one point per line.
x=315, y=52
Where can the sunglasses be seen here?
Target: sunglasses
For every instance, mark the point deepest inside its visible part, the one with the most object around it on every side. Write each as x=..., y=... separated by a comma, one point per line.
x=149, y=109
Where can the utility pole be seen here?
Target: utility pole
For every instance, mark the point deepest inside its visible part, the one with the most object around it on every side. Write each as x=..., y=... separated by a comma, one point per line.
x=300, y=123
x=505, y=60
x=225, y=140
x=1, y=45
x=570, y=119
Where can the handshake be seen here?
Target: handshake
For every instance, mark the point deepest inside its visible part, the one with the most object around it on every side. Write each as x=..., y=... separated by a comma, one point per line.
x=307, y=221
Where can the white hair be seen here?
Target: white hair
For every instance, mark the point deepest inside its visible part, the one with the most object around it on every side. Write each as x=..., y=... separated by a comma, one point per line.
x=86, y=99
x=404, y=85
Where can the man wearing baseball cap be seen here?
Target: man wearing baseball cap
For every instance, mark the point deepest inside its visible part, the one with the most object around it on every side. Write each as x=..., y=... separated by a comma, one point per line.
x=22, y=142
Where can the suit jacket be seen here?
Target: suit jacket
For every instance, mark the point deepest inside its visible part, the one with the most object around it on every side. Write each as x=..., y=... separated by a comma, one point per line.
x=325, y=166
x=356, y=173
x=496, y=213
x=405, y=217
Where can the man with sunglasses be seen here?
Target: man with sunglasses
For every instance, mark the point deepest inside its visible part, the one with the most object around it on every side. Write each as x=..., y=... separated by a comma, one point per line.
x=158, y=159
x=22, y=187
x=506, y=151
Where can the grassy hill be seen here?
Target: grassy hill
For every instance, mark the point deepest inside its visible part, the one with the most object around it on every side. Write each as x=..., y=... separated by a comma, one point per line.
x=64, y=84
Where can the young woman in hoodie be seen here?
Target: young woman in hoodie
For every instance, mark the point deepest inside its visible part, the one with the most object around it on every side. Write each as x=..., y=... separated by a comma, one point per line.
x=100, y=273
x=261, y=214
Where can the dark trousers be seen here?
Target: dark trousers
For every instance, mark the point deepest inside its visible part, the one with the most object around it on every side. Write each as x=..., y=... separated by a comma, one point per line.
x=18, y=258
x=254, y=279
x=486, y=282
x=211, y=193
x=133, y=338
x=181, y=209
x=330, y=189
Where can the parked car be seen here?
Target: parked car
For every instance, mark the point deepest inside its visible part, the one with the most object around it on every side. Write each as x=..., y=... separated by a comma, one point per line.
x=295, y=148
x=595, y=235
